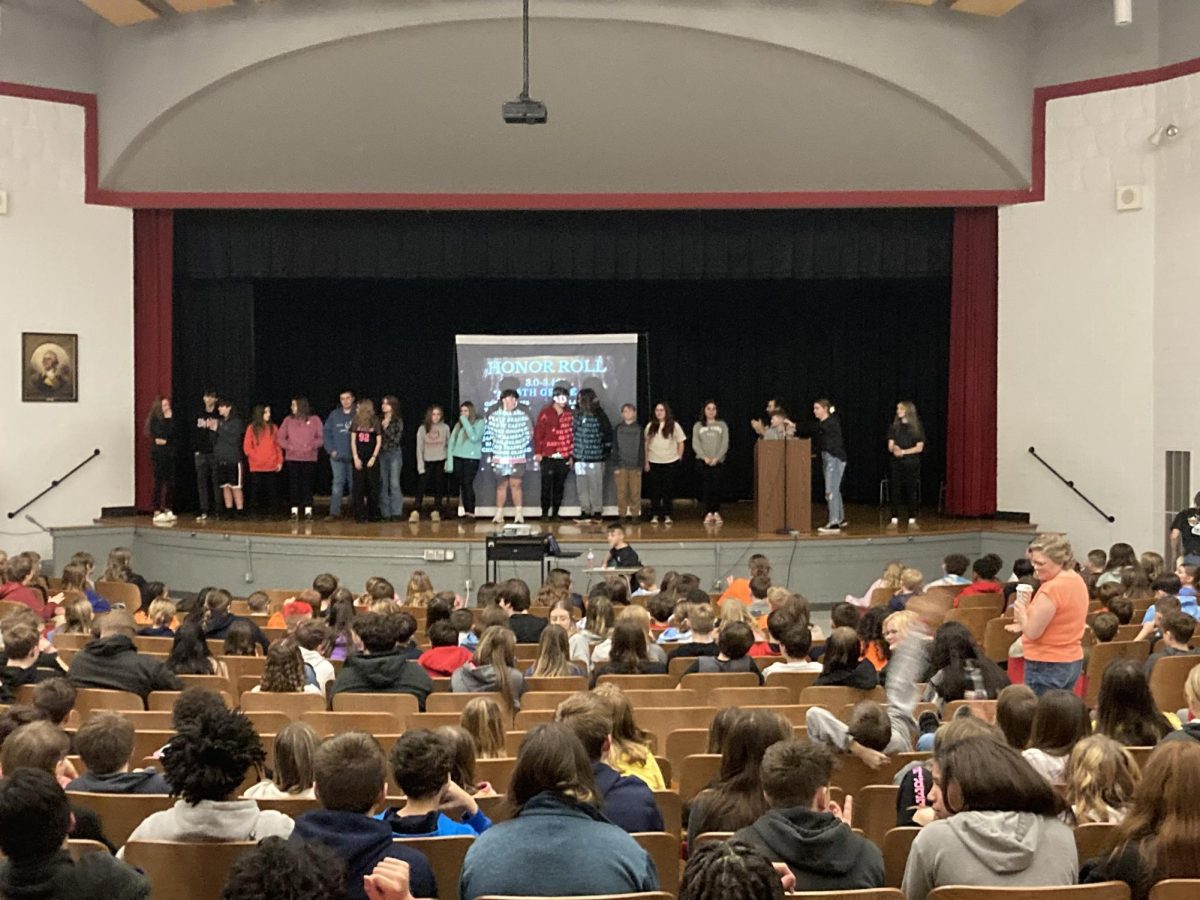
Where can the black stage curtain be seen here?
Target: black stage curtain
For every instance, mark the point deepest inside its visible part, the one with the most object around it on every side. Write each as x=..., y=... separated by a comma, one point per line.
x=736, y=307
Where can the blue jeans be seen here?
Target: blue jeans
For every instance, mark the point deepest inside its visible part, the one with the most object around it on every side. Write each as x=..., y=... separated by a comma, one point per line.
x=834, y=468
x=391, y=500
x=342, y=469
x=1047, y=676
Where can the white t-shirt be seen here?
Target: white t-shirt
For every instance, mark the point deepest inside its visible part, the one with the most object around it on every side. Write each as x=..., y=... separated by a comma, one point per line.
x=663, y=449
x=802, y=666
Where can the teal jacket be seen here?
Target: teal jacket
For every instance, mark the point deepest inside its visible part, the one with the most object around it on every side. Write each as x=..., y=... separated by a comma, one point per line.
x=466, y=440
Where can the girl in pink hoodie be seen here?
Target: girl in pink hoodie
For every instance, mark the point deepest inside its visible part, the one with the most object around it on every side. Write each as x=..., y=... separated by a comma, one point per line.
x=300, y=437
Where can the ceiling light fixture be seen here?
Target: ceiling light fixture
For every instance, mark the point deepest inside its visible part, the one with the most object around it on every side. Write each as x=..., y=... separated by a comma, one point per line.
x=1122, y=12
x=525, y=110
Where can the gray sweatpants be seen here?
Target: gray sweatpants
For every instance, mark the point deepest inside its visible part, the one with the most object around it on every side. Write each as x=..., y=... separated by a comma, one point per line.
x=589, y=484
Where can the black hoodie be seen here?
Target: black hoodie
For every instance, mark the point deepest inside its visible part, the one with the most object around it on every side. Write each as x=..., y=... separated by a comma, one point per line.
x=114, y=663
x=822, y=851
x=384, y=673
x=361, y=842
x=97, y=876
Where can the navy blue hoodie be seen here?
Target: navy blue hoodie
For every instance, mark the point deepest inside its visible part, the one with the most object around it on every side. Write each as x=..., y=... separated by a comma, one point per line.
x=627, y=801
x=361, y=842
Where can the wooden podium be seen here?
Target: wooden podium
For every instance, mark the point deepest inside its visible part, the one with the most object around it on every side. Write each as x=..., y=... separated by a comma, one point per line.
x=769, y=465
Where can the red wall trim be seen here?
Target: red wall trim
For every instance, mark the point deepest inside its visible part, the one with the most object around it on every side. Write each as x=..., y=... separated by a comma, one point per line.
x=710, y=200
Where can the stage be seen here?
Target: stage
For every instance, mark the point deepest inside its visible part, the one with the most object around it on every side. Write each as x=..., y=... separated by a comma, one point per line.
x=247, y=554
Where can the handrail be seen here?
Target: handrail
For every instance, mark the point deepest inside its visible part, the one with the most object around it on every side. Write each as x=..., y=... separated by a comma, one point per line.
x=55, y=483
x=1082, y=496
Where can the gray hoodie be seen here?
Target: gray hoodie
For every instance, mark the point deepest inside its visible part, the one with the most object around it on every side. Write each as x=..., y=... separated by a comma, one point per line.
x=991, y=849
x=212, y=820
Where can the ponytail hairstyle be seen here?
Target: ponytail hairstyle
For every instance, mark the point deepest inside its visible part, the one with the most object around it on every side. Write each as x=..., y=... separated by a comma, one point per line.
x=498, y=648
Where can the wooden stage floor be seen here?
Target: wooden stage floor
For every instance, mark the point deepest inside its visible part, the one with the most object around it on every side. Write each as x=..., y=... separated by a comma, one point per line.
x=865, y=522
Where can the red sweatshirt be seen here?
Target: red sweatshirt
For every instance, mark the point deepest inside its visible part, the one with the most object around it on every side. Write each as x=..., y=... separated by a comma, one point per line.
x=554, y=433
x=20, y=593
x=440, y=662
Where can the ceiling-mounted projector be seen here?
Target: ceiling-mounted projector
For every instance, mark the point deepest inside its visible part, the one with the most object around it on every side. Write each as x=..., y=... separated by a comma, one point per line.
x=524, y=111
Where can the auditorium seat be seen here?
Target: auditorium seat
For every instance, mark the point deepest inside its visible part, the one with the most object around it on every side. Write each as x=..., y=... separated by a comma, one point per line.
x=1167, y=680
x=974, y=619
x=148, y=644
x=881, y=595
x=63, y=641
x=90, y=699
x=663, y=849
x=749, y=696
x=148, y=742
x=1104, y=655
x=79, y=848
x=896, y=844
x=1141, y=755
x=246, y=683
x=544, y=699
x=875, y=811
x=993, y=601
x=289, y=806
x=496, y=772
x=1108, y=890
x=1095, y=839
x=634, y=682
x=684, y=742
x=8, y=607
x=982, y=709
x=527, y=719
x=330, y=723
x=646, y=895
x=446, y=855
x=795, y=682
x=399, y=705
x=1128, y=632
x=120, y=592
x=884, y=893
x=121, y=813
x=267, y=721
x=997, y=640
x=570, y=683
x=680, y=664
x=1176, y=889
x=670, y=805
x=851, y=774
x=182, y=870
x=696, y=772
x=655, y=698
x=512, y=741
x=149, y=720
x=704, y=683
x=497, y=808
x=208, y=682
x=165, y=700
x=431, y=721
x=834, y=697
x=291, y=705
x=456, y=702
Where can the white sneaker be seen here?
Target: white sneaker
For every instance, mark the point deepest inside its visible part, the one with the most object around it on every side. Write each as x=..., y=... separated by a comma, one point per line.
x=308, y=513
x=717, y=520
x=171, y=516
x=831, y=528
x=435, y=516
x=912, y=521
x=894, y=522
x=519, y=518
x=414, y=516
x=160, y=518
x=498, y=518
x=203, y=517
x=654, y=520
x=667, y=520
x=708, y=519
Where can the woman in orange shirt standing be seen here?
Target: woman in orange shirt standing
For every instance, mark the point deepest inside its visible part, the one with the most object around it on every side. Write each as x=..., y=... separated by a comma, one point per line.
x=1051, y=623
x=265, y=459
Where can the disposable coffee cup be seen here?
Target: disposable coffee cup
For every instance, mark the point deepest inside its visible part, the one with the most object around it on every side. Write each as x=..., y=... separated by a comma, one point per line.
x=1024, y=593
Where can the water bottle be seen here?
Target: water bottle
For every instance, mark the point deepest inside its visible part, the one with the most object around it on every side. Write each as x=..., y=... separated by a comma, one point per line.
x=591, y=559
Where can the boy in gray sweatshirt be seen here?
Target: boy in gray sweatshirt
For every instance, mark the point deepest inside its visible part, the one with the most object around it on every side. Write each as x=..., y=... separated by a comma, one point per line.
x=629, y=455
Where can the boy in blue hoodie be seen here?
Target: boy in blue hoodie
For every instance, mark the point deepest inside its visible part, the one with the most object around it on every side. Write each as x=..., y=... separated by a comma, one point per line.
x=350, y=774
x=421, y=763
x=337, y=445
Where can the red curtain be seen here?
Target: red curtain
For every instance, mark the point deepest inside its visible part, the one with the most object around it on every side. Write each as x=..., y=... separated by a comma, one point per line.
x=153, y=266
x=971, y=414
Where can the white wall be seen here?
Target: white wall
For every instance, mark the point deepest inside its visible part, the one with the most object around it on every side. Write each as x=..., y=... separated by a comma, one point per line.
x=1096, y=311
x=66, y=267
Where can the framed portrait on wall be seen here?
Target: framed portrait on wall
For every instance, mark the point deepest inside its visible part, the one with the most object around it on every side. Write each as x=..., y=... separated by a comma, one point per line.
x=49, y=367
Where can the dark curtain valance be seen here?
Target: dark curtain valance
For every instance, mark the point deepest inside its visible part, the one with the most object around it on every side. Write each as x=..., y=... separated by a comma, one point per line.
x=675, y=245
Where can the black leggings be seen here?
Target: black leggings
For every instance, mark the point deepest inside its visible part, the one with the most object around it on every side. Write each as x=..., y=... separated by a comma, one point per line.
x=466, y=470
x=661, y=482
x=554, y=480
x=435, y=478
x=300, y=482
x=710, y=486
x=364, y=492
x=906, y=485
x=164, y=480
x=264, y=492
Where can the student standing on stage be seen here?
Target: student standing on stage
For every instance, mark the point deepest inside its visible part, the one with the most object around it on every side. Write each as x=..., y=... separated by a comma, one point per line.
x=433, y=439
x=208, y=488
x=160, y=425
x=227, y=451
x=337, y=445
x=629, y=455
x=710, y=443
x=510, y=436
x=553, y=447
x=833, y=462
x=593, y=437
x=365, y=442
x=466, y=447
x=906, y=441
x=391, y=459
x=664, y=449
x=264, y=459
x=300, y=437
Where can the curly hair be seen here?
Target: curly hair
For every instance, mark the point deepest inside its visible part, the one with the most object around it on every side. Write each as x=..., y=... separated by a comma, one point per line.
x=283, y=672
x=283, y=870
x=209, y=757
x=730, y=870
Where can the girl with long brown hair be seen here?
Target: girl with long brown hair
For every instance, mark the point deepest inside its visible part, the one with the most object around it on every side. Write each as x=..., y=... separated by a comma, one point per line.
x=465, y=451
x=484, y=720
x=905, y=443
x=554, y=655
x=629, y=654
x=433, y=441
x=264, y=459
x=630, y=753
x=160, y=426
x=365, y=442
x=664, y=449
x=391, y=459
x=494, y=669
x=300, y=437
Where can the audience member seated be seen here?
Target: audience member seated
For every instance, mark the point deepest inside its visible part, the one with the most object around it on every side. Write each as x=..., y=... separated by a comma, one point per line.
x=554, y=655
x=1059, y=723
x=736, y=798
x=1190, y=731
x=493, y=669
x=339, y=617
x=17, y=588
x=105, y=744
x=961, y=670
x=54, y=698
x=462, y=761
x=35, y=821
x=309, y=636
x=284, y=671
x=842, y=665
x=733, y=612
x=434, y=805
x=645, y=582
x=1126, y=710
x=1101, y=778
x=870, y=635
x=796, y=642
x=804, y=829
x=603, y=651
x=381, y=668
x=77, y=616
x=911, y=584
x=701, y=635
x=890, y=579
x=1002, y=829
x=351, y=780
x=679, y=629
x=629, y=654
x=733, y=653
x=25, y=663
x=75, y=579
x=739, y=588
x=514, y=599
x=625, y=800
x=732, y=870
x=239, y=640
x=1152, y=630
x=983, y=578
x=915, y=800
x=161, y=619
x=1157, y=838
x=630, y=752
x=1016, y=707
x=597, y=628
x=295, y=749
x=954, y=570
x=190, y=654
x=446, y=654
x=112, y=661
x=484, y=720
x=1177, y=631
x=205, y=764
x=218, y=618
x=559, y=844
